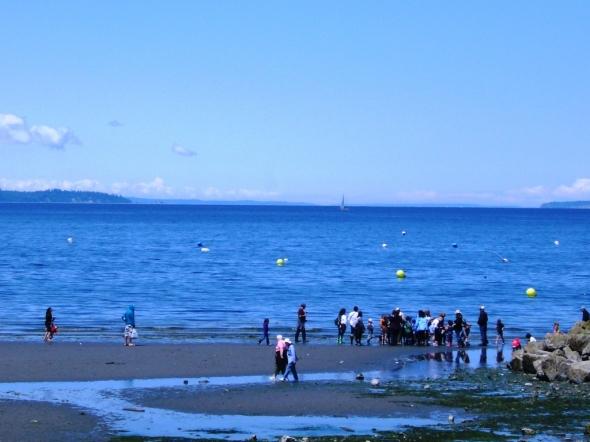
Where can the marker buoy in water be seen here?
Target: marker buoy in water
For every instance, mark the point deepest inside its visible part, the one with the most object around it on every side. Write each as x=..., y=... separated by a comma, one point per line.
x=204, y=249
x=70, y=240
x=400, y=274
x=455, y=245
x=280, y=262
x=556, y=242
x=404, y=233
x=531, y=292
x=384, y=245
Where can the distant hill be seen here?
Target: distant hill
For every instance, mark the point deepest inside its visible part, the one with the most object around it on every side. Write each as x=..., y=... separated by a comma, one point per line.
x=60, y=196
x=190, y=202
x=566, y=205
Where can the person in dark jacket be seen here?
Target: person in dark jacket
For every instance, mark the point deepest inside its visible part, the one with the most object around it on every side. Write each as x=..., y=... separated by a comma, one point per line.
x=482, y=321
x=50, y=328
x=585, y=314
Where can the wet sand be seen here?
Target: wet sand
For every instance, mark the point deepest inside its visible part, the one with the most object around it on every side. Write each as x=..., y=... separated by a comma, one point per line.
x=63, y=361
x=25, y=421
x=287, y=399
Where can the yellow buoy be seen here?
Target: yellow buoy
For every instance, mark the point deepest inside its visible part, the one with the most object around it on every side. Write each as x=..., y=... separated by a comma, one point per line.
x=531, y=292
x=400, y=274
x=280, y=262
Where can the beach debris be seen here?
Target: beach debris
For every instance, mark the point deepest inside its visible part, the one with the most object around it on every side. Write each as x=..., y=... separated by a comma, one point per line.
x=531, y=292
x=253, y=438
x=204, y=381
x=287, y=439
x=400, y=274
x=360, y=377
x=341, y=362
x=134, y=409
x=451, y=419
x=34, y=421
x=375, y=382
x=185, y=382
x=527, y=431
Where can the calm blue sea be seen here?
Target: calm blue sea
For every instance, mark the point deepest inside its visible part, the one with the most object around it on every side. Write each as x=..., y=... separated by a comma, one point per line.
x=146, y=255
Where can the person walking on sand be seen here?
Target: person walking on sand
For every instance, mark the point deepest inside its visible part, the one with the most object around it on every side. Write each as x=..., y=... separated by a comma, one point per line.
x=341, y=324
x=280, y=357
x=50, y=327
x=482, y=321
x=129, y=332
x=291, y=361
x=265, y=332
x=301, y=320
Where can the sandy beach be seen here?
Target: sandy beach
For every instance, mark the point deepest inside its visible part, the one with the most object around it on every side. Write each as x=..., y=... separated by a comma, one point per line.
x=94, y=361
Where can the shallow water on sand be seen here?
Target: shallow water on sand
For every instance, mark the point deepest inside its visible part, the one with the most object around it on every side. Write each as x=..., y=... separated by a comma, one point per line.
x=148, y=256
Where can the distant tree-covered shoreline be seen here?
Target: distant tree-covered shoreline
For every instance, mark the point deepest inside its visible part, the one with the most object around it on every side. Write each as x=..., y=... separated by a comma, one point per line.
x=61, y=196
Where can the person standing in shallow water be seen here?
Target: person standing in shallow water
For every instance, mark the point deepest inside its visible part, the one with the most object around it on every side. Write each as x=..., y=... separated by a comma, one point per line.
x=49, y=325
x=265, y=327
x=482, y=321
x=341, y=324
x=301, y=320
x=129, y=332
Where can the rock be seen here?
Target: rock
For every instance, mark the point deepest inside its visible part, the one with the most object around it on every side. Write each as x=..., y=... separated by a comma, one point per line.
x=287, y=439
x=531, y=362
x=375, y=382
x=253, y=438
x=451, y=419
x=549, y=367
x=587, y=429
x=579, y=372
x=579, y=342
x=527, y=431
x=516, y=363
x=360, y=377
x=571, y=354
x=554, y=342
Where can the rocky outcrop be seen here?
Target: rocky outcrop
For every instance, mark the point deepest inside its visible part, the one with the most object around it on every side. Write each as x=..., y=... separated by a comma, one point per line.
x=558, y=357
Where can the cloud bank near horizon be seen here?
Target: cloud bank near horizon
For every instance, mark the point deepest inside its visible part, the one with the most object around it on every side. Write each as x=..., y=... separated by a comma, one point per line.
x=15, y=130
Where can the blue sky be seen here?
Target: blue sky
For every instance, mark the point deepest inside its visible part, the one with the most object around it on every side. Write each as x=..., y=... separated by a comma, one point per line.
x=384, y=102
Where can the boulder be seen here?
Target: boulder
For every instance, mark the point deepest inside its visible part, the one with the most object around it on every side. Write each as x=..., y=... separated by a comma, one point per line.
x=578, y=341
x=550, y=367
x=579, y=372
x=516, y=362
x=571, y=354
x=554, y=342
x=287, y=439
x=529, y=360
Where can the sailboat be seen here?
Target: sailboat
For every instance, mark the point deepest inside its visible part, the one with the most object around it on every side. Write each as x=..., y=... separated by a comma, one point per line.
x=343, y=208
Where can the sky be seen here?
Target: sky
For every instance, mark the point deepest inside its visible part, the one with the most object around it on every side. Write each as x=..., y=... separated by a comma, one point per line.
x=384, y=102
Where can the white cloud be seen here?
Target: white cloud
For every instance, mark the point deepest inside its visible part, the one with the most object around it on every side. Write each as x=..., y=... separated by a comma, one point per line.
x=580, y=187
x=156, y=187
x=41, y=184
x=180, y=150
x=14, y=130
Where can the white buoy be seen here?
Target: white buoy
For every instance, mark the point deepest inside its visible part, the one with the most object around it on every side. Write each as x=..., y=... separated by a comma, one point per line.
x=404, y=233
x=505, y=260
x=384, y=245
x=70, y=240
x=285, y=260
x=205, y=249
x=556, y=242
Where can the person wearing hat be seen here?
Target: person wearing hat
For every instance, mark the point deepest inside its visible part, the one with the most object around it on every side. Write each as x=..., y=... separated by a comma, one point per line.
x=585, y=314
x=482, y=321
x=291, y=361
x=301, y=320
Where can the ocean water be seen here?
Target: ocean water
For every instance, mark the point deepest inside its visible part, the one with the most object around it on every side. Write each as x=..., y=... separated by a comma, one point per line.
x=146, y=255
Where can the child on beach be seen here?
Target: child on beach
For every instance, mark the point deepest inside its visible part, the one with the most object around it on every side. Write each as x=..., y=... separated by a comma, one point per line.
x=449, y=333
x=265, y=332
x=370, y=331
x=383, y=326
x=556, y=328
x=129, y=332
x=499, y=331
x=50, y=327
